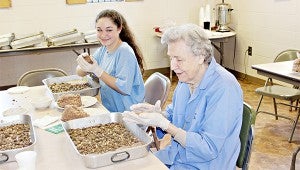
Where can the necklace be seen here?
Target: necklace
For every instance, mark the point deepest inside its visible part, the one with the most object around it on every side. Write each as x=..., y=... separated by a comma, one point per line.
x=111, y=50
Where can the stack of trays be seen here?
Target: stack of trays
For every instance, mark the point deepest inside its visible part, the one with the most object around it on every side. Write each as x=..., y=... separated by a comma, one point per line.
x=9, y=154
x=28, y=41
x=66, y=37
x=5, y=41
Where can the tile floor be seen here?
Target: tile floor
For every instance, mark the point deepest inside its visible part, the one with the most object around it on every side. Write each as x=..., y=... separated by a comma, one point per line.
x=271, y=149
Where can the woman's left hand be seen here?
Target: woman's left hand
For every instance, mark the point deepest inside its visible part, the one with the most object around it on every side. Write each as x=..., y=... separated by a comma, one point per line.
x=148, y=119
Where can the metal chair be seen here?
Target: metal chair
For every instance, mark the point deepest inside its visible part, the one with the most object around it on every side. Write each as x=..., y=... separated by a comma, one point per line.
x=281, y=92
x=246, y=137
x=35, y=77
x=293, y=163
x=157, y=87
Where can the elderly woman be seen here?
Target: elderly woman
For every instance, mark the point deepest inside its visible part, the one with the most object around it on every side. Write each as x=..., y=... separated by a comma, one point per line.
x=205, y=115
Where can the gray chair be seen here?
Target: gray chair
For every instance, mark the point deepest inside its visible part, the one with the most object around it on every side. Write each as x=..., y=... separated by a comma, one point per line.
x=246, y=137
x=35, y=77
x=157, y=87
x=281, y=92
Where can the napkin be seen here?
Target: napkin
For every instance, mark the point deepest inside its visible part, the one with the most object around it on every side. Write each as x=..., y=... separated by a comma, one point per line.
x=45, y=121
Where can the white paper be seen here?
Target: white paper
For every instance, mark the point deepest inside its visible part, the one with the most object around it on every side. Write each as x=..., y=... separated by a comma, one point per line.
x=45, y=121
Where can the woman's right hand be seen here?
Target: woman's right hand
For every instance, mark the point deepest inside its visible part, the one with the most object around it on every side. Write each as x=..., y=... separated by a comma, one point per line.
x=88, y=67
x=146, y=107
x=80, y=72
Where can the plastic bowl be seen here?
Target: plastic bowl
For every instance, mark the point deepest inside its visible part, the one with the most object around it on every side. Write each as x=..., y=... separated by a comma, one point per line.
x=42, y=102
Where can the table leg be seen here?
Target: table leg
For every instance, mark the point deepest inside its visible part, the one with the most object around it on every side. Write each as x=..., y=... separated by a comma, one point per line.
x=220, y=50
x=171, y=74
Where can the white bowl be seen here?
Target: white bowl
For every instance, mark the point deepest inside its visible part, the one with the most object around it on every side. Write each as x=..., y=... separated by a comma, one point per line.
x=41, y=102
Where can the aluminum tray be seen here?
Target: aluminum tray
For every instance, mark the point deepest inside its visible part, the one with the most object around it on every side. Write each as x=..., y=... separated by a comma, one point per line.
x=9, y=155
x=112, y=157
x=93, y=91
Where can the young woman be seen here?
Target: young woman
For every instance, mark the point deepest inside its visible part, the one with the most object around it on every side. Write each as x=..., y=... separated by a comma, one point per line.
x=118, y=63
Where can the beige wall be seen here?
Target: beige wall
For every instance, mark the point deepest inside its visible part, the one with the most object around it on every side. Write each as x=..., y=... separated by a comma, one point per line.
x=55, y=16
x=269, y=26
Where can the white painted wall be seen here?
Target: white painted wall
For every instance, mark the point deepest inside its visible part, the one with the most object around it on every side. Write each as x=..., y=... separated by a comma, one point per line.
x=53, y=16
x=269, y=26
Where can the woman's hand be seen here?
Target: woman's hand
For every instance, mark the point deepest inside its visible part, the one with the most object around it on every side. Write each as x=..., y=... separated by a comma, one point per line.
x=87, y=67
x=149, y=119
x=146, y=107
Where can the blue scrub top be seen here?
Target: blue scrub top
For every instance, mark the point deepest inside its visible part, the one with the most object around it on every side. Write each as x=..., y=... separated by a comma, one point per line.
x=121, y=64
x=212, y=117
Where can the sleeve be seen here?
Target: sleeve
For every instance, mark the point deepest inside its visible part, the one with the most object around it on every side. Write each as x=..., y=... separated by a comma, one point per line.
x=97, y=54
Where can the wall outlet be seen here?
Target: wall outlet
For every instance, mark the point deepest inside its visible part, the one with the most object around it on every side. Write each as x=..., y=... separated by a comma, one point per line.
x=249, y=51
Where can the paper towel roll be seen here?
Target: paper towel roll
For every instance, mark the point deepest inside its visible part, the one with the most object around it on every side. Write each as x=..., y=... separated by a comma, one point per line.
x=4, y=41
x=68, y=39
x=26, y=42
x=63, y=33
x=201, y=17
x=207, y=12
x=9, y=35
x=91, y=38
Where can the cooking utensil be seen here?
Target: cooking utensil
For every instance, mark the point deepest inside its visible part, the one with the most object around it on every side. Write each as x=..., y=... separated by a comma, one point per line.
x=111, y=157
x=9, y=155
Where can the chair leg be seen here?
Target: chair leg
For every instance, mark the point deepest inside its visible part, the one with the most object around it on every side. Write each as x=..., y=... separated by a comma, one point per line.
x=155, y=138
x=275, y=108
x=261, y=97
x=294, y=127
x=156, y=141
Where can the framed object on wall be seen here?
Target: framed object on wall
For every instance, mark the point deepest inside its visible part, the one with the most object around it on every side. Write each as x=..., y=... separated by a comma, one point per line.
x=70, y=2
x=5, y=3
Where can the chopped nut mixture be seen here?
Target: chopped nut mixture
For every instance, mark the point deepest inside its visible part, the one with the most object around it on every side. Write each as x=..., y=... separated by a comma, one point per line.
x=69, y=99
x=102, y=138
x=65, y=87
x=14, y=136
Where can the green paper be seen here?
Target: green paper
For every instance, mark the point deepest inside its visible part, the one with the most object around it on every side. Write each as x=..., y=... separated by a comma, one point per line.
x=55, y=129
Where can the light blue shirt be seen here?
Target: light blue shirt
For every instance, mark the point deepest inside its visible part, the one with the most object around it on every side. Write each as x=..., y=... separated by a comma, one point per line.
x=121, y=64
x=212, y=117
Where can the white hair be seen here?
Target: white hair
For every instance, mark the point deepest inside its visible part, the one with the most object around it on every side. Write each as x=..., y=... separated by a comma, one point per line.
x=193, y=36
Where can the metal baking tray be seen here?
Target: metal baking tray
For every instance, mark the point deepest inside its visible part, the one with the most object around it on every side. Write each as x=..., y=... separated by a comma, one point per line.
x=112, y=157
x=93, y=91
x=9, y=155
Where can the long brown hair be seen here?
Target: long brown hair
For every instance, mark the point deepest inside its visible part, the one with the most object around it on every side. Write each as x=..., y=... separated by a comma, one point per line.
x=125, y=35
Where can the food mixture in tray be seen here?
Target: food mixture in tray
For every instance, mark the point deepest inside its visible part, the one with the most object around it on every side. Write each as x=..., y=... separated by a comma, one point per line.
x=103, y=138
x=73, y=112
x=65, y=87
x=69, y=99
x=14, y=136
